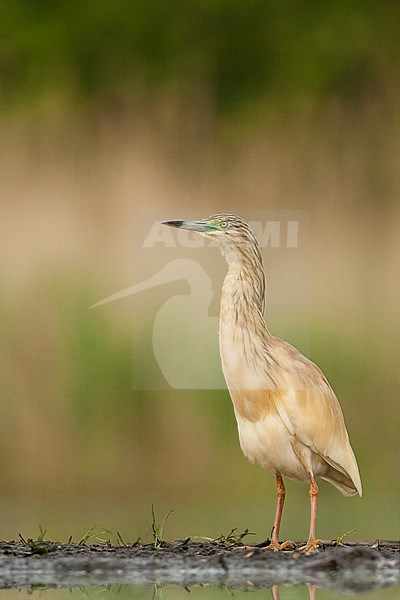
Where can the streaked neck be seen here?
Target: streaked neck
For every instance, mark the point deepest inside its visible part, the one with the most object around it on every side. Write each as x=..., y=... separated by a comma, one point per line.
x=243, y=291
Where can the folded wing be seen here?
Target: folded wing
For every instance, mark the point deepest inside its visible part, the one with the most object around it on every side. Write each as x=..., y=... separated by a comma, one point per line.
x=312, y=413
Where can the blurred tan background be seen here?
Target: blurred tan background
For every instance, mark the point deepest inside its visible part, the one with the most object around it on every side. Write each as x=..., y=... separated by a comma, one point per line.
x=116, y=114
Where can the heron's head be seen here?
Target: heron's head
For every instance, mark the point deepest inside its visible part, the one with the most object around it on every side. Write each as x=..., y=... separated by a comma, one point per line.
x=235, y=239
x=226, y=230
x=230, y=233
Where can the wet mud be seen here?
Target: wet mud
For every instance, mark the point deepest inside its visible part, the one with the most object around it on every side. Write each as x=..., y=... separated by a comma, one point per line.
x=356, y=567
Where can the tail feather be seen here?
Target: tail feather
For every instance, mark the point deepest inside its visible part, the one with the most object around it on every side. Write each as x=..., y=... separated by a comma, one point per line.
x=344, y=473
x=341, y=481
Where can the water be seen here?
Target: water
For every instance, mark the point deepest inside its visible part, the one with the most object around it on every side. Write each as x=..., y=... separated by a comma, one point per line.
x=173, y=592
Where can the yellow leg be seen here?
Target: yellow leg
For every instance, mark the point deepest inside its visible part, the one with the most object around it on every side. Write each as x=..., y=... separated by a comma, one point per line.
x=312, y=544
x=281, y=491
x=275, y=545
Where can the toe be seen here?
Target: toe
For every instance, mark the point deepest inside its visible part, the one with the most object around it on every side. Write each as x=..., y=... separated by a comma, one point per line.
x=312, y=546
x=277, y=547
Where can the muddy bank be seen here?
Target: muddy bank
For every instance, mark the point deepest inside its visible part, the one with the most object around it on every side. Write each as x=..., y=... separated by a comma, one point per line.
x=350, y=568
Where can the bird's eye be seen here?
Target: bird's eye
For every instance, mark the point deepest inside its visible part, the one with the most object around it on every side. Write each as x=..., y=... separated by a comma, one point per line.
x=224, y=224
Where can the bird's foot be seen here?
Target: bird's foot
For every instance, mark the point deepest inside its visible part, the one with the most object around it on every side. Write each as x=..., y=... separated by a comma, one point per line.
x=274, y=546
x=277, y=546
x=312, y=546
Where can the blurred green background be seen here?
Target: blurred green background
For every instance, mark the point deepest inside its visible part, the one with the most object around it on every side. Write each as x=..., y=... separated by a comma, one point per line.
x=117, y=112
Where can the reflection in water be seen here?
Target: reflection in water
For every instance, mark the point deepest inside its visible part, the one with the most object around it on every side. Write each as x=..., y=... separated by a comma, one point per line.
x=160, y=591
x=312, y=589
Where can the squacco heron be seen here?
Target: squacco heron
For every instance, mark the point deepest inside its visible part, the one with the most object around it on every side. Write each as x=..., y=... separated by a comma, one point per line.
x=289, y=419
